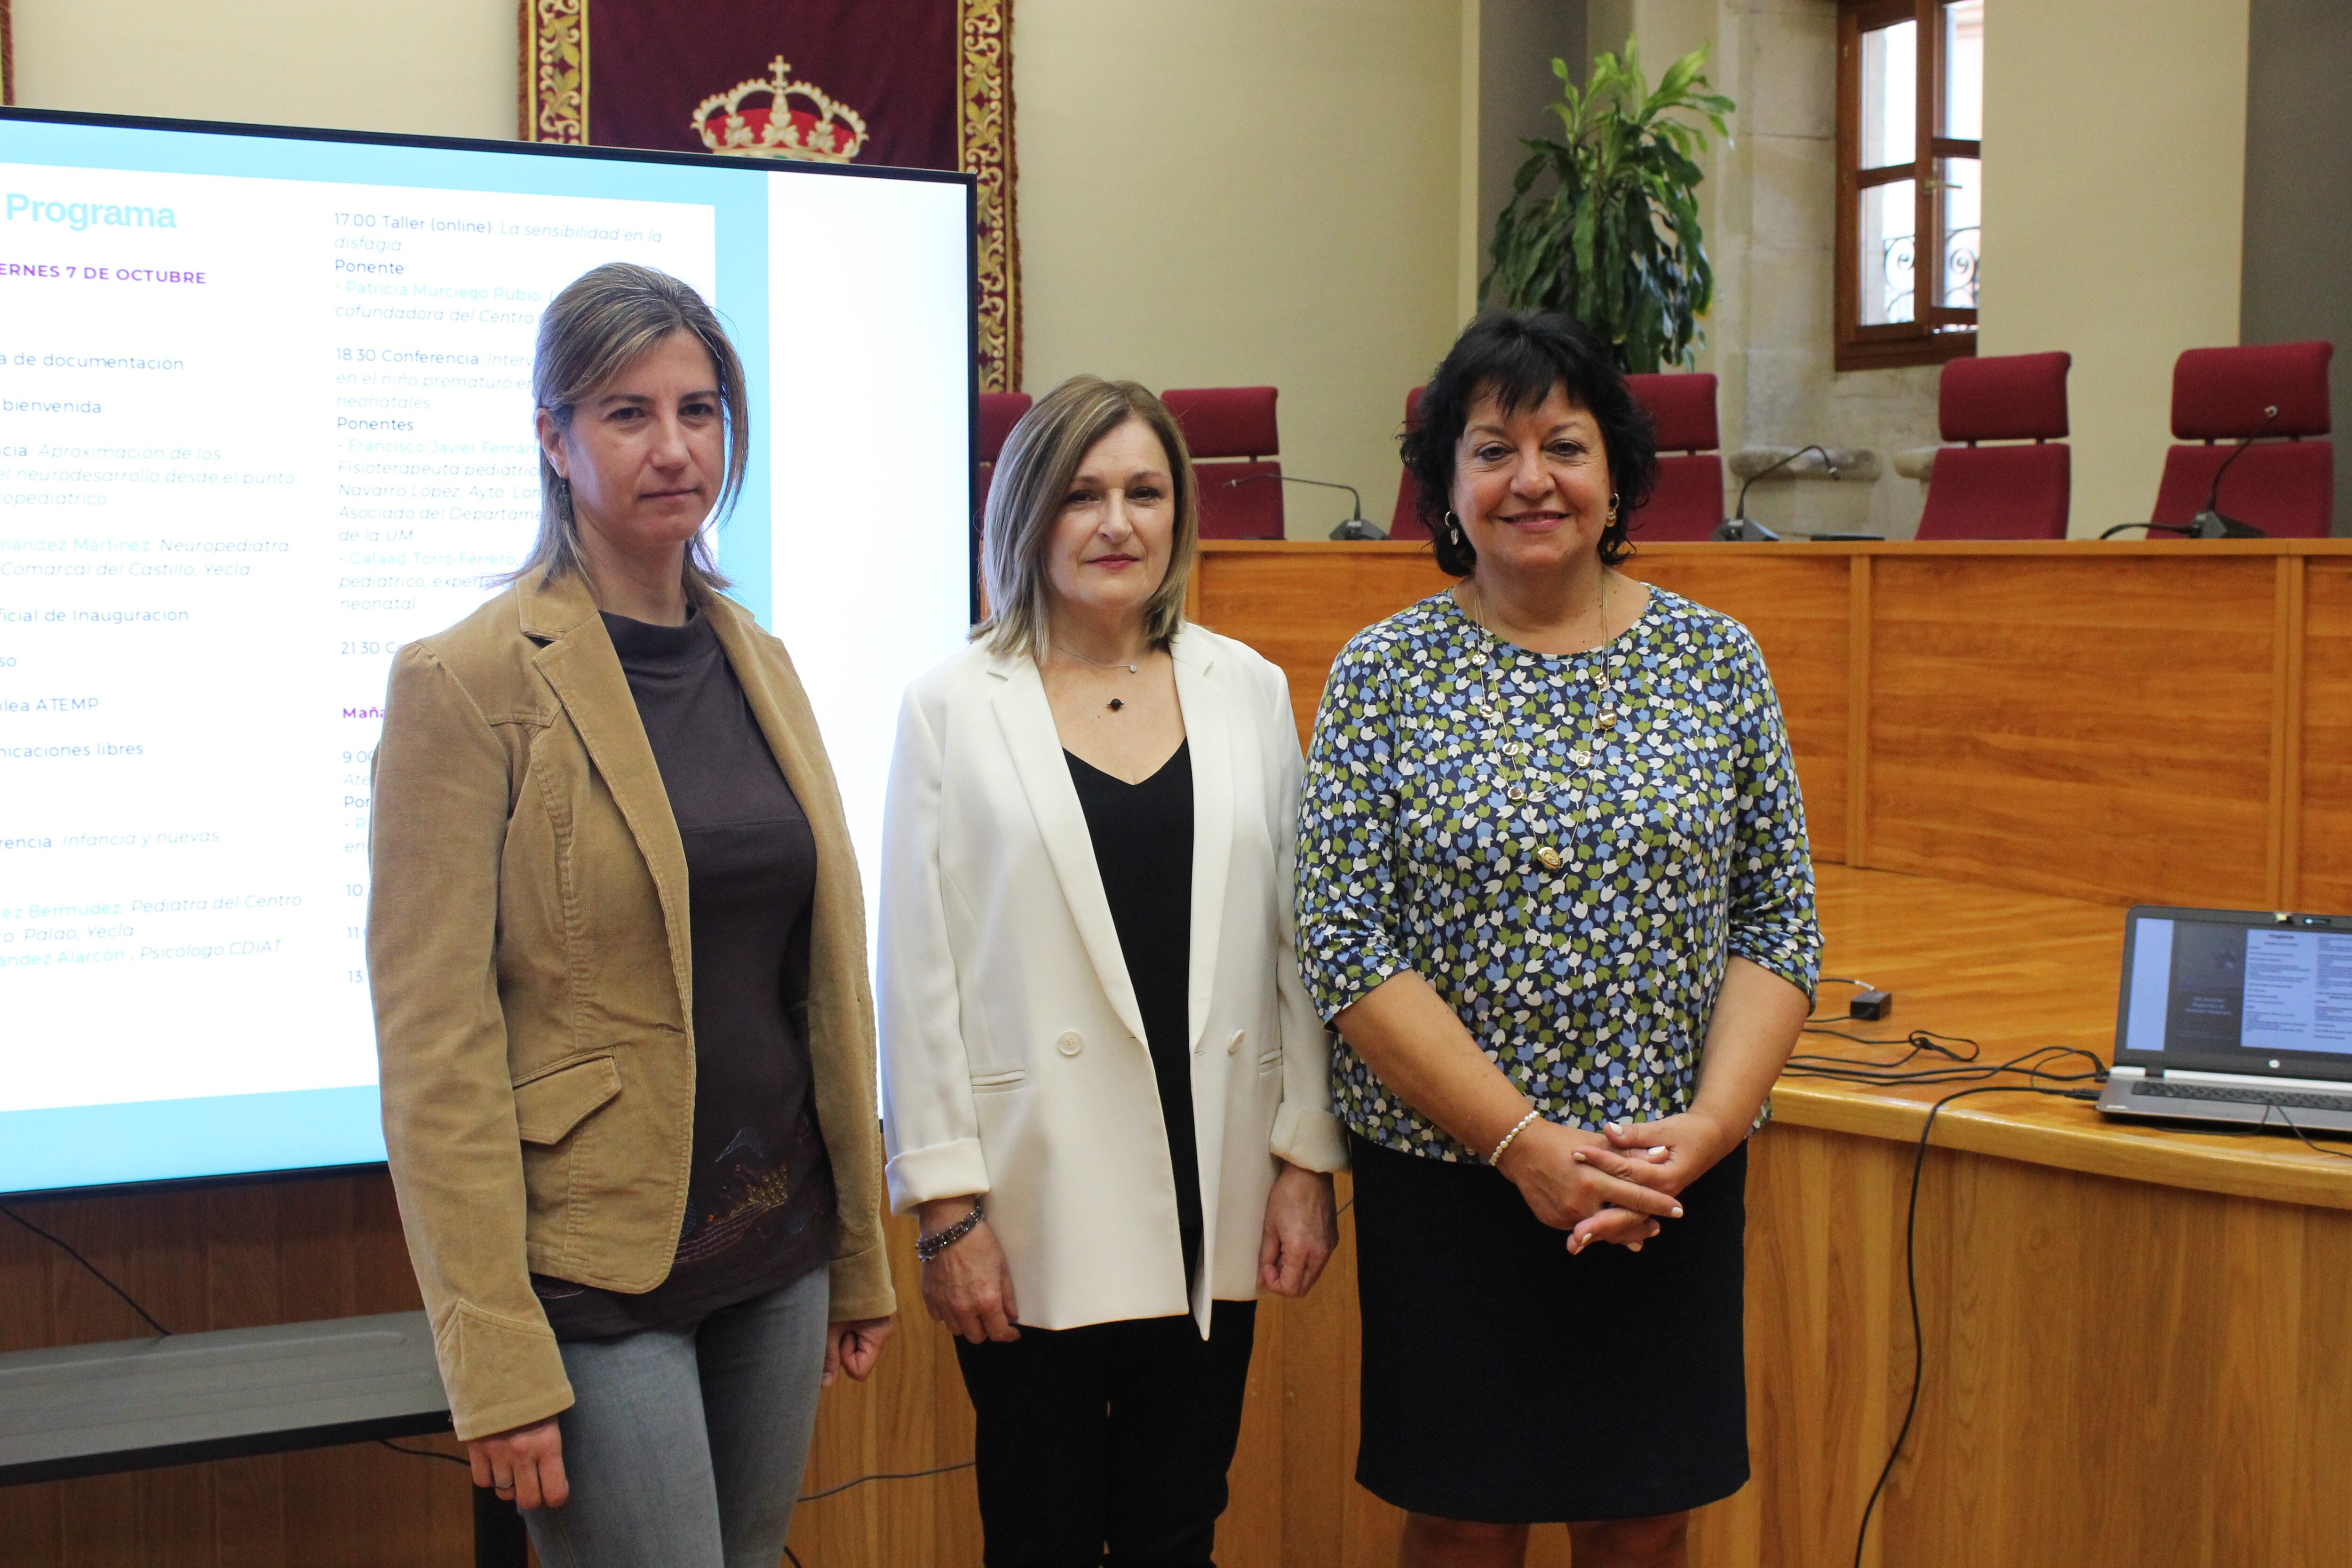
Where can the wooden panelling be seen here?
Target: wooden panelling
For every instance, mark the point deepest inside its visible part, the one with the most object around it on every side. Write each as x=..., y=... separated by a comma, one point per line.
x=1298, y=603
x=231, y=1257
x=1298, y=606
x=2093, y=728
x=2324, y=827
x=1798, y=605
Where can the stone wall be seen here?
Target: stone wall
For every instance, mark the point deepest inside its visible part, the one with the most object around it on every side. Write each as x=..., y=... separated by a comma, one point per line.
x=1770, y=210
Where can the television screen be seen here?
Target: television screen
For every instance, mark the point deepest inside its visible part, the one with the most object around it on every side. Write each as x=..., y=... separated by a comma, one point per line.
x=265, y=415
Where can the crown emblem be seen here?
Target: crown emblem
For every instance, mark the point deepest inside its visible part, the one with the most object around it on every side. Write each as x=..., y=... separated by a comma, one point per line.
x=798, y=120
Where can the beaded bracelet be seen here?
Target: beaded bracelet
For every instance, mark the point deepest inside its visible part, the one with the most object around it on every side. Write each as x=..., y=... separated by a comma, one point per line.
x=1519, y=1127
x=928, y=1248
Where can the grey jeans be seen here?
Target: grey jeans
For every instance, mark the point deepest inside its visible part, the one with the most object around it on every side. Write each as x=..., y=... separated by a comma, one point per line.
x=685, y=1445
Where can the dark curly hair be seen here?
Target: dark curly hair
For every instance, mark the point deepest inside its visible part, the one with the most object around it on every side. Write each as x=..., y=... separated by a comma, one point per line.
x=1521, y=355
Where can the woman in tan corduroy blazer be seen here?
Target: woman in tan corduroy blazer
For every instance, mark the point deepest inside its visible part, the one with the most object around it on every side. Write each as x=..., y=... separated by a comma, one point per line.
x=560, y=801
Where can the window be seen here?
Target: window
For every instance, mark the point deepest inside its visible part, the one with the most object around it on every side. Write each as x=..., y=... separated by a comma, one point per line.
x=1910, y=180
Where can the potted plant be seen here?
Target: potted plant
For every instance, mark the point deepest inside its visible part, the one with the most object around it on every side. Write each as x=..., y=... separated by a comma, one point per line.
x=1613, y=240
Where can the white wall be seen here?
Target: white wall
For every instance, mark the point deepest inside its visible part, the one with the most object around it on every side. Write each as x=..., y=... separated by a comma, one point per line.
x=442, y=67
x=2115, y=184
x=1222, y=193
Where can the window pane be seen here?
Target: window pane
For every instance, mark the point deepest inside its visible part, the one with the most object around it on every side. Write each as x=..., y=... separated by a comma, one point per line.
x=1963, y=115
x=1890, y=95
x=1887, y=292
x=1962, y=196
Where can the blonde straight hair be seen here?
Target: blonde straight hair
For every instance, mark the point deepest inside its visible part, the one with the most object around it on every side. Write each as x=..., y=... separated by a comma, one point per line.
x=603, y=322
x=1033, y=473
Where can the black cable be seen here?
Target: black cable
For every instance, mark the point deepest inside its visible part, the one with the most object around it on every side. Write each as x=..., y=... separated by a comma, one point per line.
x=95, y=1271
x=462, y=1463
x=2314, y=1148
x=794, y=1558
x=1911, y=1277
x=886, y=1476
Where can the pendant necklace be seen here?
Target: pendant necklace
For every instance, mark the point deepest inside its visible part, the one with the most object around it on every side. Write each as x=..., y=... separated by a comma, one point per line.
x=1511, y=768
x=1116, y=703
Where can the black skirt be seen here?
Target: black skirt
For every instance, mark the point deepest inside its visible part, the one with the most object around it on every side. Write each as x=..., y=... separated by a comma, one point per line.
x=1505, y=1382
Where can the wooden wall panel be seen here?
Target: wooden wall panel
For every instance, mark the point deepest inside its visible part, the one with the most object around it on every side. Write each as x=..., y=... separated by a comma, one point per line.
x=1796, y=604
x=2325, y=837
x=2092, y=728
x=1298, y=607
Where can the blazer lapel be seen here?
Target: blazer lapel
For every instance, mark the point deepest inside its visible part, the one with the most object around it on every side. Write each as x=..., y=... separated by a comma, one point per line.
x=579, y=664
x=1027, y=721
x=1208, y=725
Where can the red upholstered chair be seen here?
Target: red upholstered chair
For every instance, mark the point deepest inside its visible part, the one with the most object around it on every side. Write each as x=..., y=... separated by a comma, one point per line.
x=999, y=413
x=1406, y=522
x=2286, y=487
x=1232, y=433
x=1687, y=500
x=1226, y=422
x=2001, y=492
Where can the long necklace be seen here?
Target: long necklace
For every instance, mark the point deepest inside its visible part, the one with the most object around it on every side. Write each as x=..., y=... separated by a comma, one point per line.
x=1116, y=703
x=1512, y=767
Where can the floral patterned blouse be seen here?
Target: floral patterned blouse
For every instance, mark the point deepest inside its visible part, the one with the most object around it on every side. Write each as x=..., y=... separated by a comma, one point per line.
x=1569, y=849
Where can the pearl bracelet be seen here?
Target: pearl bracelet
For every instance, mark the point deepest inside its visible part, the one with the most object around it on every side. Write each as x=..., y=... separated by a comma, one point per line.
x=1519, y=1127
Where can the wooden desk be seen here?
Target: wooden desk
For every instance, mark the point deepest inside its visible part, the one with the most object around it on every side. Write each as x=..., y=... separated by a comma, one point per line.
x=2128, y=722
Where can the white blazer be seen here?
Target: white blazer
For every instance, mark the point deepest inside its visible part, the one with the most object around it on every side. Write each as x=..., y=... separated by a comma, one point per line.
x=1013, y=1060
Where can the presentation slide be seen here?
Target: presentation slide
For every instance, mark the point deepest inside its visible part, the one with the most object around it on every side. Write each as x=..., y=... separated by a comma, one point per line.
x=2215, y=987
x=265, y=415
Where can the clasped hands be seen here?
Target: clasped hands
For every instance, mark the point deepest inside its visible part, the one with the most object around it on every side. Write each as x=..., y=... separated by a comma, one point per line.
x=1619, y=1184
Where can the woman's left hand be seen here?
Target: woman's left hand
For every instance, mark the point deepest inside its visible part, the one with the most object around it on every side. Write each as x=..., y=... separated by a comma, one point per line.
x=1665, y=1155
x=1302, y=1226
x=853, y=1348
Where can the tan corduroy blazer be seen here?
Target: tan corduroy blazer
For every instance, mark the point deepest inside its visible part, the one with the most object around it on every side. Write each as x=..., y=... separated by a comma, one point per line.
x=528, y=951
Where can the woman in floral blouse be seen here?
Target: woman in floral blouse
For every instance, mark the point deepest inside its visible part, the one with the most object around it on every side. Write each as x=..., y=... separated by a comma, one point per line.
x=1555, y=896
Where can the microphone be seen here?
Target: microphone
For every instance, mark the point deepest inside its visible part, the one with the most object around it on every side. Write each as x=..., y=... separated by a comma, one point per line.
x=1742, y=529
x=2212, y=523
x=1354, y=527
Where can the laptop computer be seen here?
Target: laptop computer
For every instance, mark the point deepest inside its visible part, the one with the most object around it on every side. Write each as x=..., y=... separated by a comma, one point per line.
x=2236, y=1017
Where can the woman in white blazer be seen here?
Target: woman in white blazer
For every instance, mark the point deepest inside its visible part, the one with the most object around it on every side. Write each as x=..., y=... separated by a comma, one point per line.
x=1104, y=1090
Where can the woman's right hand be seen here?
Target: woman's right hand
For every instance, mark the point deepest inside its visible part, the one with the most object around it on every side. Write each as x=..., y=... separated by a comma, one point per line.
x=524, y=1466
x=969, y=1287
x=1541, y=1163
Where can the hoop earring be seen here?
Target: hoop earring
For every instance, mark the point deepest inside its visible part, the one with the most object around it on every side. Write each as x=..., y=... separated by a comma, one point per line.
x=1612, y=506
x=1453, y=528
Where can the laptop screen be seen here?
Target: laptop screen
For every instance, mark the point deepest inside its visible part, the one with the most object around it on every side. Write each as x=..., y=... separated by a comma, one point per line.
x=2225, y=991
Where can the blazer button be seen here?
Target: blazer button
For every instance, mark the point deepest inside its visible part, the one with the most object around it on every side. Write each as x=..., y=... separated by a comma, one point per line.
x=1234, y=1045
x=1070, y=1044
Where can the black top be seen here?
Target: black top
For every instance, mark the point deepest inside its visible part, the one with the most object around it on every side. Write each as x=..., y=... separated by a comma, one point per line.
x=1142, y=835
x=759, y=1202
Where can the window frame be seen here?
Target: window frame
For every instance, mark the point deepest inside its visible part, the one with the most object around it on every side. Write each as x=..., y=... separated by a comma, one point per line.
x=1936, y=332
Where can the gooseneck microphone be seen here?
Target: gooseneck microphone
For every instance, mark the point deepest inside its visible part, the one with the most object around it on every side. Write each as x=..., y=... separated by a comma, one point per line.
x=1741, y=528
x=1354, y=527
x=2212, y=523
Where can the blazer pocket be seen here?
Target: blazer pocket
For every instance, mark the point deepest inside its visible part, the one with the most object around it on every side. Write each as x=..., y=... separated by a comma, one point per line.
x=1271, y=1062
x=553, y=1101
x=998, y=1082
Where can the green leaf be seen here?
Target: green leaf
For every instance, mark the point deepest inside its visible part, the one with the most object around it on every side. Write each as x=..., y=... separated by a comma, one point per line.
x=1614, y=240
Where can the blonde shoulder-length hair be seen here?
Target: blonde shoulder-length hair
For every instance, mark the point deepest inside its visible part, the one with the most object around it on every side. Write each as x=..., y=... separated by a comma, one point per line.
x=1033, y=473
x=603, y=321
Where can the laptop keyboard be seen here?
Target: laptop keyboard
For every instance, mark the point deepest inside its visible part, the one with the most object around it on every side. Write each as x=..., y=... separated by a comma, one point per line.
x=2208, y=1091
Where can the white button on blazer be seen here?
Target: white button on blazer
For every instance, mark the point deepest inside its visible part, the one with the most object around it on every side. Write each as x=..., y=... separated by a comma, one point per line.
x=1013, y=1054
